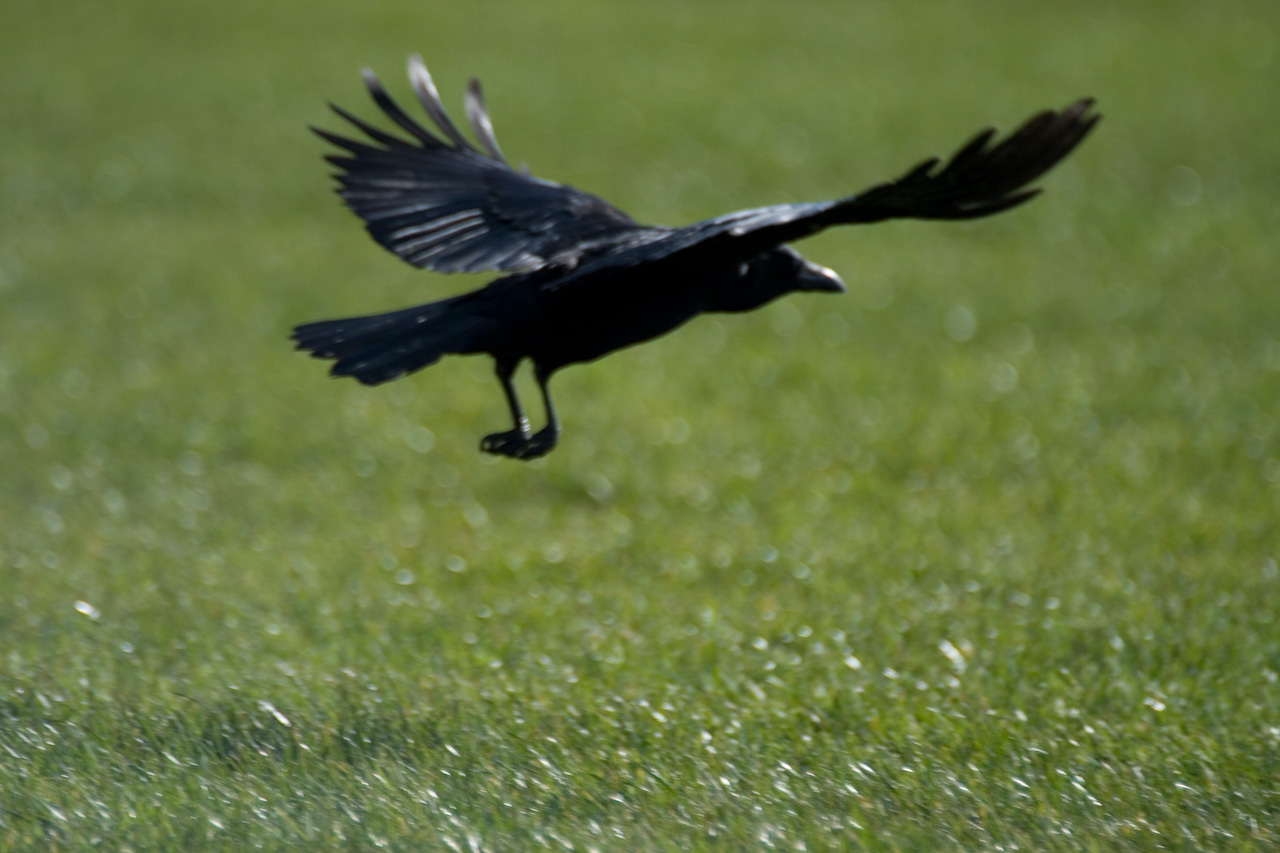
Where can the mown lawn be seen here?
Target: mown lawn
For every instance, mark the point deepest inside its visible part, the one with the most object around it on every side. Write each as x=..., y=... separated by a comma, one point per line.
x=982, y=555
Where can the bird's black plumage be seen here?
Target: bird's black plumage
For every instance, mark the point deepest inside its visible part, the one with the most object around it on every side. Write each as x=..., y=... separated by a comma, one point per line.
x=584, y=279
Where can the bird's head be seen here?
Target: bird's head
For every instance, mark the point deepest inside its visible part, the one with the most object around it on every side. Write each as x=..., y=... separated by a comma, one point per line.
x=775, y=273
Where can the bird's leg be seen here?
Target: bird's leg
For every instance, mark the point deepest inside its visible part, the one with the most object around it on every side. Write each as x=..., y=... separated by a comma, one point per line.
x=515, y=440
x=544, y=440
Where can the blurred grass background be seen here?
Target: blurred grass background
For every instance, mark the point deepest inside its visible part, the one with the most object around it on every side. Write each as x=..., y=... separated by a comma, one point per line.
x=981, y=555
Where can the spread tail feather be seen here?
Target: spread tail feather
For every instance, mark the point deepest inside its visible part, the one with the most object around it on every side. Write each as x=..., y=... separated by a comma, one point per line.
x=383, y=347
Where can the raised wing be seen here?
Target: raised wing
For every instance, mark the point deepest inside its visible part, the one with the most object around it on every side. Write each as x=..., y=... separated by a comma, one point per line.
x=979, y=180
x=439, y=202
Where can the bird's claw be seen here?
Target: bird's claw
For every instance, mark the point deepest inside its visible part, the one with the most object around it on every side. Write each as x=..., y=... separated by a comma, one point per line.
x=506, y=443
x=542, y=443
x=518, y=444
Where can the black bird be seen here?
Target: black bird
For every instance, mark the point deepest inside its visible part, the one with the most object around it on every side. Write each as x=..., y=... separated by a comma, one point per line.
x=584, y=279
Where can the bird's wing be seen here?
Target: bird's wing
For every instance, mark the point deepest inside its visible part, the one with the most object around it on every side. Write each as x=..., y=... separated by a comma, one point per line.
x=439, y=202
x=980, y=179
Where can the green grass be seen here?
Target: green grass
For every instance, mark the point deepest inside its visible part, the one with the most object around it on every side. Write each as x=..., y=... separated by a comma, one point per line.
x=983, y=555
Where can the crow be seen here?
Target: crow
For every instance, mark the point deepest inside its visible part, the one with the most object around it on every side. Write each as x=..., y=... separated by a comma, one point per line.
x=583, y=278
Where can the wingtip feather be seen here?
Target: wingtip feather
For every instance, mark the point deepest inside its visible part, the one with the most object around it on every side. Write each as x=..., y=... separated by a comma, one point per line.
x=425, y=88
x=478, y=117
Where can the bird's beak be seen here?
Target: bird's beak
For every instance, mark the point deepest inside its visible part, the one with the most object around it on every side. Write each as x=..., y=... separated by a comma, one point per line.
x=819, y=278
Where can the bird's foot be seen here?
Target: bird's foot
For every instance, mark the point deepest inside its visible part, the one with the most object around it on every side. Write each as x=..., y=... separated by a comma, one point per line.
x=542, y=443
x=518, y=444
x=507, y=443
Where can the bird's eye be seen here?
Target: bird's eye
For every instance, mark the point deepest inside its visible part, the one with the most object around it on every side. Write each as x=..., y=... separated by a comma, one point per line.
x=743, y=269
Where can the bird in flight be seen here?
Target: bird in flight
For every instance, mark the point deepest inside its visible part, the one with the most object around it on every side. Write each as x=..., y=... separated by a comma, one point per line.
x=582, y=278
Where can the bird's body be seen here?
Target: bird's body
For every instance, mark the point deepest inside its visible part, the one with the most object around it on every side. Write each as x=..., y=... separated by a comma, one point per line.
x=583, y=278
